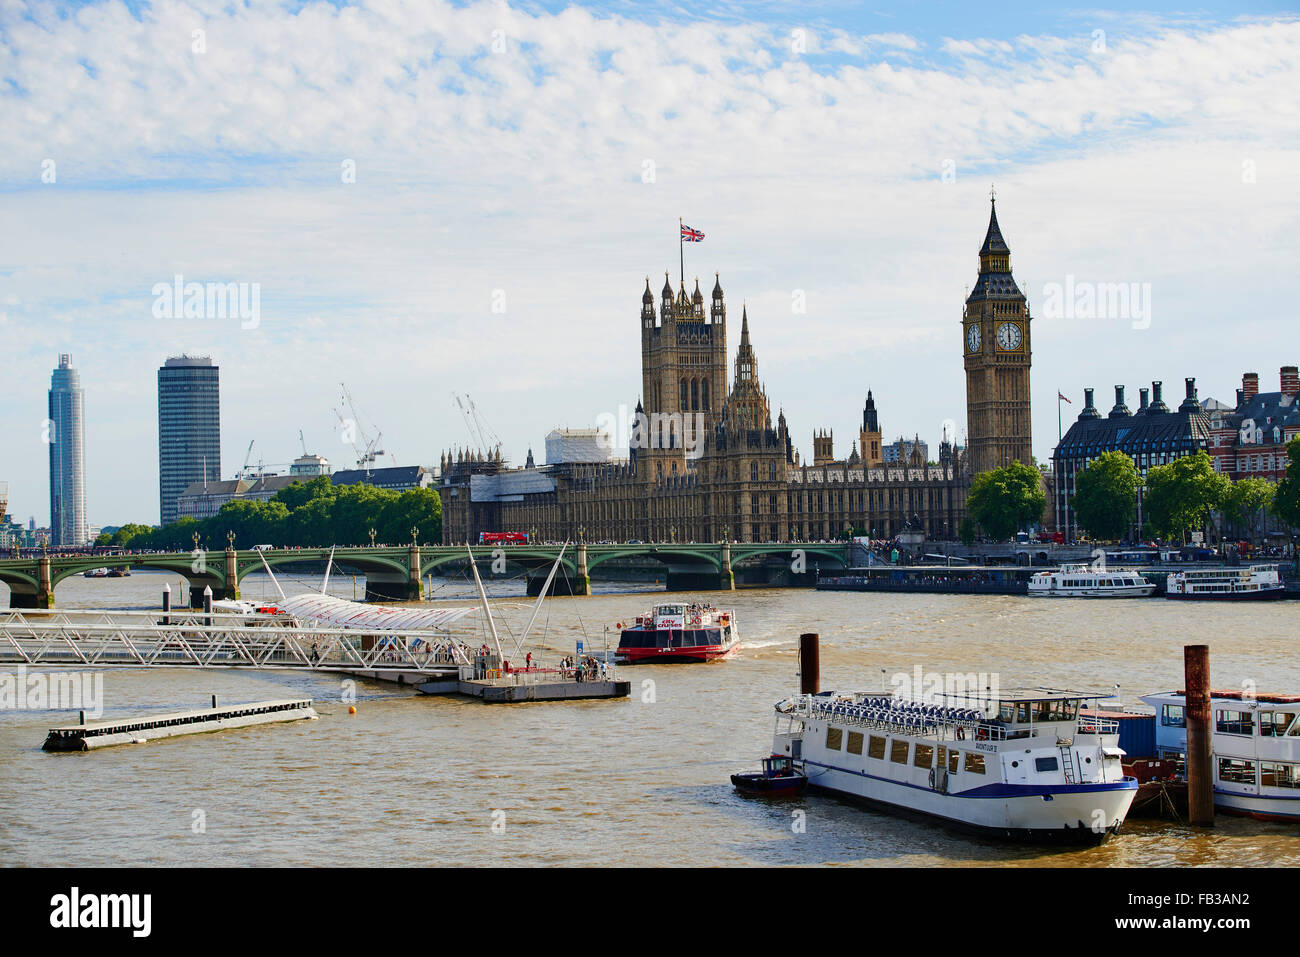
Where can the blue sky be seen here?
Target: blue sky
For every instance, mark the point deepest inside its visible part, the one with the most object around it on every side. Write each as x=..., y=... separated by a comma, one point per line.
x=435, y=198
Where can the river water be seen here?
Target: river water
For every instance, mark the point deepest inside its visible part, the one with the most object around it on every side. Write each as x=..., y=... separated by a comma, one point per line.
x=416, y=780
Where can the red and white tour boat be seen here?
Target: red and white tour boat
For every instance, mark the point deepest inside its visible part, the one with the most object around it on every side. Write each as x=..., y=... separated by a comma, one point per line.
x=676, y=633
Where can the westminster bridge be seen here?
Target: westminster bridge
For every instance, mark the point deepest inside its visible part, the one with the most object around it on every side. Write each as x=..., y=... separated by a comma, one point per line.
x=398, y=573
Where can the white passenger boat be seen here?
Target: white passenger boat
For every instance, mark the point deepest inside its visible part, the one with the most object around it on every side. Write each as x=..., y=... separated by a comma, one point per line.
x=1087, y=581
x=1254, y=583
x=1027, y=766
x=1255, y=743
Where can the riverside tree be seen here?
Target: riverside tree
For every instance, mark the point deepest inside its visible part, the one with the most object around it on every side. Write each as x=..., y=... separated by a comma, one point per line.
x=1105, y=497
x=1286, y=499
x=1005, y=500
x=1245, y=502
x=1182, y=495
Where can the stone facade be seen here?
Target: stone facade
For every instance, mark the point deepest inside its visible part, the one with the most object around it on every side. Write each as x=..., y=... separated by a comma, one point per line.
x=706, y=462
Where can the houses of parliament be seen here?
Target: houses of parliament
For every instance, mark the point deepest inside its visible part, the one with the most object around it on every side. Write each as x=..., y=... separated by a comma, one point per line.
x=706, y=461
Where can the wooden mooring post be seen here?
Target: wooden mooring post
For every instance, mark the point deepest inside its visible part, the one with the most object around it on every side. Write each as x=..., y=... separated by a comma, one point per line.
x=1200, y=781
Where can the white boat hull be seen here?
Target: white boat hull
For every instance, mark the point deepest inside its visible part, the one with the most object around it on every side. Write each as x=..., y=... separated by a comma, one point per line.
x=1086, y=814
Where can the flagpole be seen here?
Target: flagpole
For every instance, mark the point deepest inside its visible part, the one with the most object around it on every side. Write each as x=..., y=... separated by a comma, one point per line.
x=681, y=249
x=1056, y=461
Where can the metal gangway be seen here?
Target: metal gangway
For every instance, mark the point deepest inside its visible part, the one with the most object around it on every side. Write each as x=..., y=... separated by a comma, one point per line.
x=197, y=639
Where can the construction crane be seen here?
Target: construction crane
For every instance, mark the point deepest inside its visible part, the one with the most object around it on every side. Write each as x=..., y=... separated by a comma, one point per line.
x=244, y=473
x=485, y=439
x=303, y=442
x=368, y=450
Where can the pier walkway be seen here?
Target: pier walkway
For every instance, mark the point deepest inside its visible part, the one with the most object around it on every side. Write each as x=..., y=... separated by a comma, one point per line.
x=188, y=639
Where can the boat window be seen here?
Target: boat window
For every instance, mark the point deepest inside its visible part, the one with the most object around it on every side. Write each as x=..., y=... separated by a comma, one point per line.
x=1275, y=723
x=952, y=761
x=876, y=748
x=834, y=739
x=855, y=742
x=1023, y=711
x=974, y=763
x=1007, y=712
x=1275, y=775
x=1046, y=711
x=924, y=756
x=1173, y=716
x=1234, y=722
x=898, y=751
x=1046, y=764
x=1240, y=772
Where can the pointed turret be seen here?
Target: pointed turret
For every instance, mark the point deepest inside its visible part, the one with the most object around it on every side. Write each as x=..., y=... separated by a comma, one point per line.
x=697, y=297
x=993, y=241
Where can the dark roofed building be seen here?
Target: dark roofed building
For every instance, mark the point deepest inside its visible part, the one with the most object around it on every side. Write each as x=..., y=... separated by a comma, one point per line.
x=398, y=478
x=1151, y=435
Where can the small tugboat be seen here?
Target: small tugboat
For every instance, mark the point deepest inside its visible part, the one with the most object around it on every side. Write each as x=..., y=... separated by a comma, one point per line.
x=1256, y=583
x=119, y=571
x=779, y=778
x=678, y=633
x=95, y=573
x=1085, y=581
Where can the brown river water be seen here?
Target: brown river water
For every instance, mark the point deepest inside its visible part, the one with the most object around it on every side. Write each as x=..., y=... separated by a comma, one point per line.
x=411, y=780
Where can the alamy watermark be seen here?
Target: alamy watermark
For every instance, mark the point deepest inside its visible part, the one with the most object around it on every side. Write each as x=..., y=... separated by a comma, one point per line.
x=179, y=299
x=1098, y=300
x=955, y=688
x=42, y=691
x=626, y=429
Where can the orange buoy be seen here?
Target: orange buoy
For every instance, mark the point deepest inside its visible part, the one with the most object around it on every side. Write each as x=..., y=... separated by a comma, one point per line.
x=352, y=709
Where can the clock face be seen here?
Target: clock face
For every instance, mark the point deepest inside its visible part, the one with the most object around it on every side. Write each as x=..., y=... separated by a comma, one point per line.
x=1009, y=336
x=973, y=338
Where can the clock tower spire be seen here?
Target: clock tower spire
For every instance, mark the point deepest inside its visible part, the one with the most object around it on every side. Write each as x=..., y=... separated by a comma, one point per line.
x=996, y=345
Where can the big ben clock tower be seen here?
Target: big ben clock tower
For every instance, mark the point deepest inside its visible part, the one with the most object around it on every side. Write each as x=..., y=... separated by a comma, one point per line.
x=995, y=340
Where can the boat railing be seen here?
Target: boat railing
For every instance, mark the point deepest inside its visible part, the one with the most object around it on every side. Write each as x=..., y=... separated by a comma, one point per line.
x=938, y=721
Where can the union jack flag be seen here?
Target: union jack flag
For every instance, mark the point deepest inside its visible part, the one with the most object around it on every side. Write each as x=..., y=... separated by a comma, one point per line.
x=1060, y=395
x=691, y=235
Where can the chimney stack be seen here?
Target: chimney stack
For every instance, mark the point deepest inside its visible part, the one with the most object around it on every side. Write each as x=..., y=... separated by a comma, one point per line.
x=1157, y=401
x=1120, y=409
x=1241, y=398
x=1190, y=401
x=1142, y=400
x=1290, y=380
x=1250, y=385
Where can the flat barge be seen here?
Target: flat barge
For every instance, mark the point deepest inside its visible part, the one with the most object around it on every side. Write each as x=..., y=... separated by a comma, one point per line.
x=90, y=736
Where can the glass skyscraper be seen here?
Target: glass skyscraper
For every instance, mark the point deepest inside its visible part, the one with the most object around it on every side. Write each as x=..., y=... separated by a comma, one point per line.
x=189, y=428
x=67, y=438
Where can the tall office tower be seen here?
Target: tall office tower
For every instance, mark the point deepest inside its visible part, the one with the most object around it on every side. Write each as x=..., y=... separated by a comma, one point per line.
x=189, y=428
x=67, y=438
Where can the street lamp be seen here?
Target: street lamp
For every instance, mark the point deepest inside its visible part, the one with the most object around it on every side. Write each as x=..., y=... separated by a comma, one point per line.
x=372, y=538
x=230, y=538
x=415, y=535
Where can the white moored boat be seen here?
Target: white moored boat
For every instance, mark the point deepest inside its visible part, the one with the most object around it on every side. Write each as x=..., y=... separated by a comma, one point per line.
x=1028, y=766
x=1086, y=581
x=1255, y=583
x=1255, y=743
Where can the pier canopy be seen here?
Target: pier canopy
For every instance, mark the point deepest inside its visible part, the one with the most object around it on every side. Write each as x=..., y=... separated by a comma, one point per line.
x=351, y=614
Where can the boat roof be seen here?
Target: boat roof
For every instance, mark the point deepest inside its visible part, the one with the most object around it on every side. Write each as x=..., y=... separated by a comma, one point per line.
x=1224, y=694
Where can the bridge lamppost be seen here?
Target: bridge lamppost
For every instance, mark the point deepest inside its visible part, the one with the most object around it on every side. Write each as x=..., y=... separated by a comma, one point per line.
x=672, y=533
x=196, y=541
x=532, y=534
x=725, y=530
x=415, y=535
x=372, y=538
x=582, y=534
x=230, y=537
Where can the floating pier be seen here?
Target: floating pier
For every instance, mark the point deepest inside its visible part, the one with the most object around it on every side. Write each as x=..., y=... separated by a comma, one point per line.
x=89, y=736
x=500, y=687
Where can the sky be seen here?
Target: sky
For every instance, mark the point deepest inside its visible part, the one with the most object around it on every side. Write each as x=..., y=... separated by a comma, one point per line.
x=430, y=199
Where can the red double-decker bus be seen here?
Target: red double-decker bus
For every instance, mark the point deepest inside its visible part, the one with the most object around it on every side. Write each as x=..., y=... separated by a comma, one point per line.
x=503, y=538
